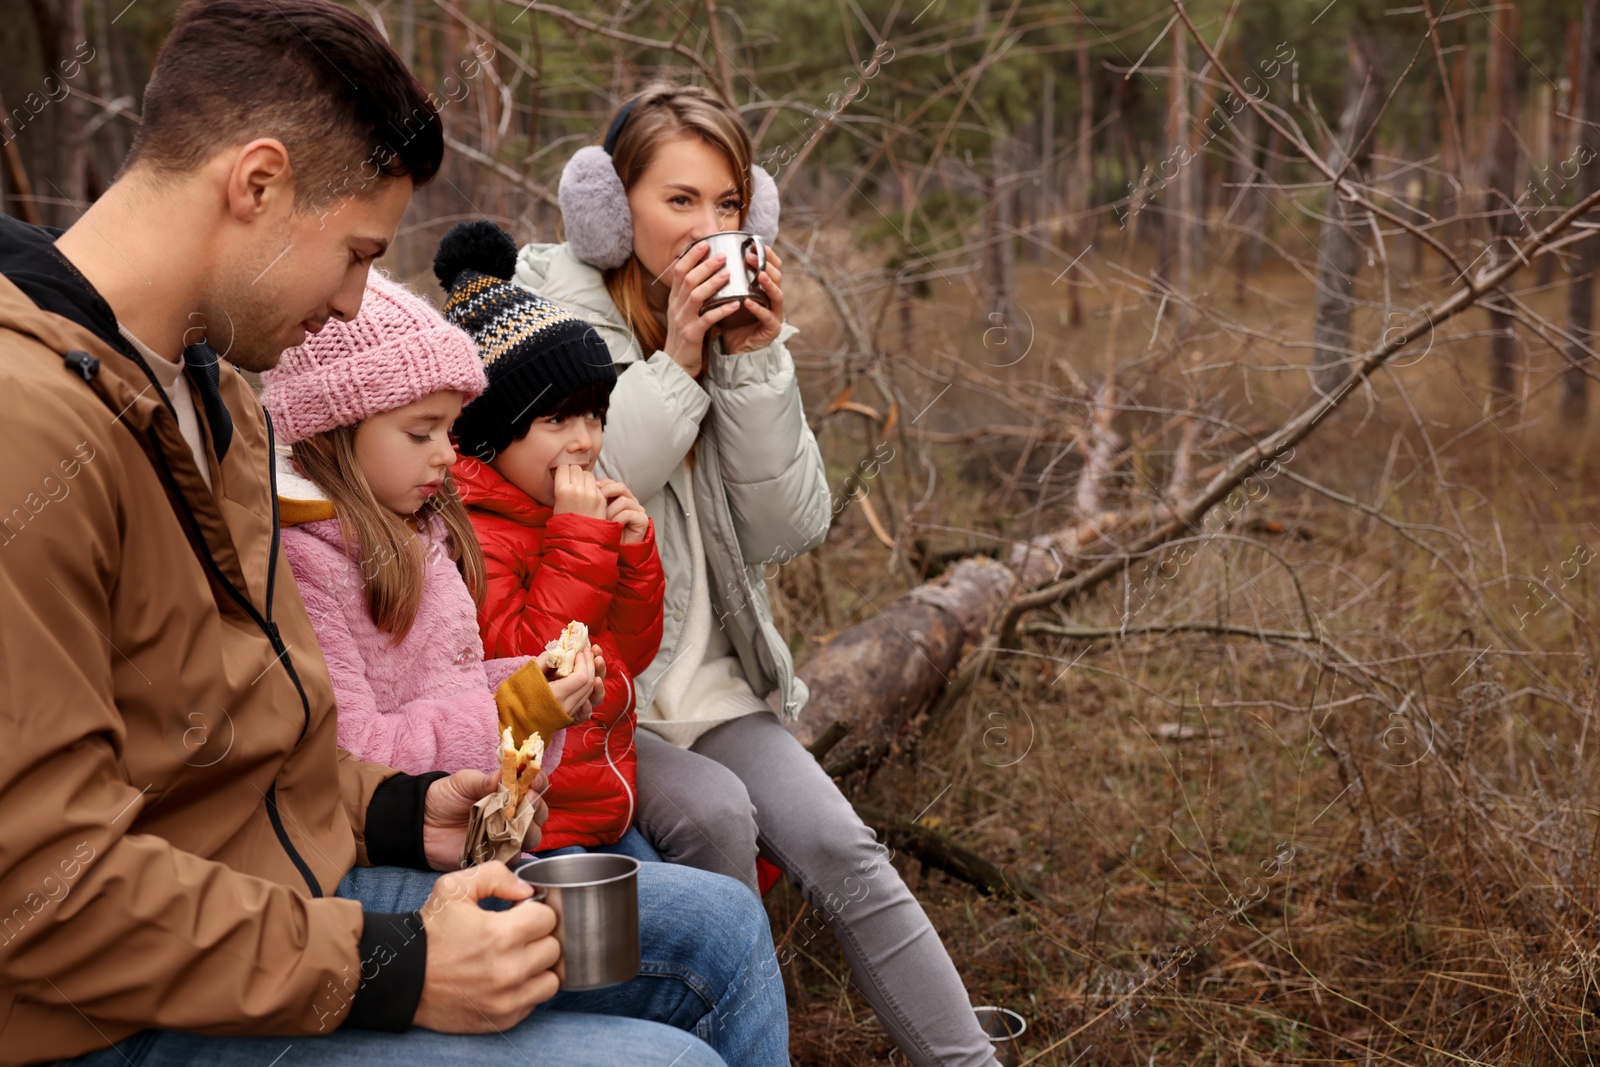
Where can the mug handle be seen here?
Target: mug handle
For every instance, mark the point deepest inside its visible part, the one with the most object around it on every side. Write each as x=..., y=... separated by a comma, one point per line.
x=540, y=894
x=761, y=252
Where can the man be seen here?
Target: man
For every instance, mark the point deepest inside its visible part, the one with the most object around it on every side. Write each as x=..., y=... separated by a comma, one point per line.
x=187, y=862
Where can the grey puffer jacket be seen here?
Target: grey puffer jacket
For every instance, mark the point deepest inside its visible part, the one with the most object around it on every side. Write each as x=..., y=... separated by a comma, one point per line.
x=761, y=491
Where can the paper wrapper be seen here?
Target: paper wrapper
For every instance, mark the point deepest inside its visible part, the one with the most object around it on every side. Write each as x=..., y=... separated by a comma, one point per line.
x=492, y=836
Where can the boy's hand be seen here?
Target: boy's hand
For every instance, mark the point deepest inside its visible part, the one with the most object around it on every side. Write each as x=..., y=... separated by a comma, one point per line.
x=622, y=506
x=577, y=494
x=576, y=690
x=597, y=693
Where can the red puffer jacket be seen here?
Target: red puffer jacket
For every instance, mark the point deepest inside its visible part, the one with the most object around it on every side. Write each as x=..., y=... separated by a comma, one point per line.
x=544, y=571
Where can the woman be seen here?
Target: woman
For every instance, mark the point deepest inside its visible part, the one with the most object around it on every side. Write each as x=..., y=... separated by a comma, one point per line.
x=707, y=428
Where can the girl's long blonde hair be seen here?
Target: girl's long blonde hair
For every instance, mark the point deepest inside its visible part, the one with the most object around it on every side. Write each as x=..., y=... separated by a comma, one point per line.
x=391, y=555
x=662, y=113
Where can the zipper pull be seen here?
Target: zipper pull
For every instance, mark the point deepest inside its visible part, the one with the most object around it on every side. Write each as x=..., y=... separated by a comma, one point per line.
x=82, y=364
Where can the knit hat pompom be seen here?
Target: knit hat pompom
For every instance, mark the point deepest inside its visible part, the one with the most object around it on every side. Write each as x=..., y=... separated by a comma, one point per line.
x=396, y=351
x=479, y=246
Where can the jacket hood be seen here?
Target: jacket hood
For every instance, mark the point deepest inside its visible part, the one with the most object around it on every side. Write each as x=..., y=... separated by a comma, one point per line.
x=552, y=271
x=76, y=323
x=28, y=257
x=30, y=261
x=484, y=489
x=57, y=306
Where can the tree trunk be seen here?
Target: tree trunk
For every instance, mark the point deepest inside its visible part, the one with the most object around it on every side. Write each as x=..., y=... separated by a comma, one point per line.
x=1339, y=252
x=1502, y=179
x=115, y=139
x=724, y=74
x=18, y=187
x=1127, y=159
x=1046, y=204
x=1464, y=168
x=1580, y=291
x=1416, y=194
x=999, y=246
x=405, y=40
x=1083, y=225
x=61, y=167
x=1180, y=216
x=878, y=676
x=1250, y=179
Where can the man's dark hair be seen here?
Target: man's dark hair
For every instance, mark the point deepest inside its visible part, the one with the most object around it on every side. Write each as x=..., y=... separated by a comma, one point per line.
x=313, y=74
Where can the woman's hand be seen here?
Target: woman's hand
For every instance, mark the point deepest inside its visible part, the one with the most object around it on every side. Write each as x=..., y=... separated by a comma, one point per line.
x=737, y=340
x=696, y=277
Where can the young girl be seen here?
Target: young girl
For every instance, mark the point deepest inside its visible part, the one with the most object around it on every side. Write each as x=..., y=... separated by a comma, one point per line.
x=706, y=426
x=381, y=548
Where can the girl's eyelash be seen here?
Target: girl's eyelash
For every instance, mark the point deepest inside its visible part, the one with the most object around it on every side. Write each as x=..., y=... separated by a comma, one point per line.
x=420, y=439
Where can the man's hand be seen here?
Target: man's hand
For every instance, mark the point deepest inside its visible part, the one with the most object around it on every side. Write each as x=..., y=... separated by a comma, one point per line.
x=577, y=493
x=486, y=970
x=622, y=506
x=445, y=810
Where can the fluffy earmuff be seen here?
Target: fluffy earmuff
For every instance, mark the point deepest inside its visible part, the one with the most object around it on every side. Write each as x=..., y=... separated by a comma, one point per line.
x=762, y=218
x=594, y=209
x=594, y=205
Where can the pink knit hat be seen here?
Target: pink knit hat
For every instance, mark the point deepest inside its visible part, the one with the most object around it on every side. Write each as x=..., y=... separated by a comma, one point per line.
x=396, y=351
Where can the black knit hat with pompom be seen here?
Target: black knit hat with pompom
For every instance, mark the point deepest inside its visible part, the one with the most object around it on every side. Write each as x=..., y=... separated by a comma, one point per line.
x=535, y=352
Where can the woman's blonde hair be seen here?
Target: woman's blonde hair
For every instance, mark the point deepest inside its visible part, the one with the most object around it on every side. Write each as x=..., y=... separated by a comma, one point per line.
x=662, y=113
x=391, y=555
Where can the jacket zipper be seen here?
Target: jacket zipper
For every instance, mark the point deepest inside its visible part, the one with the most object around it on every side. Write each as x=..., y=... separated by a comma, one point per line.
x=263, y=623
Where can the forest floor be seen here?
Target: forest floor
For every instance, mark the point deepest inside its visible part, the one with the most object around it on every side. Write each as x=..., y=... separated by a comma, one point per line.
x=1378, y=846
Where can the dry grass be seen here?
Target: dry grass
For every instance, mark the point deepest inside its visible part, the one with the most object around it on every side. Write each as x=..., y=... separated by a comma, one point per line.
x=1397, y=824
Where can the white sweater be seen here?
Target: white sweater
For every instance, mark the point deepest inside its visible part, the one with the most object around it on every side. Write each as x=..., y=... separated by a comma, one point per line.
x=705, y=685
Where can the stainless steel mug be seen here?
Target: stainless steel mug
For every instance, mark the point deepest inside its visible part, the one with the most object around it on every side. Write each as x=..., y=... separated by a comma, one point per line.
x=741, y=284
x=596, y=901
x=1005, y=1029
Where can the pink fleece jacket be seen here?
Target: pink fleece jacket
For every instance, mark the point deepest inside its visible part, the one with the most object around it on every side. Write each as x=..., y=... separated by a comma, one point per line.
x=425, y=704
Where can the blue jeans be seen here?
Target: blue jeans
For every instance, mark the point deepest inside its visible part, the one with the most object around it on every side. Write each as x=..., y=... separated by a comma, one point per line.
x=708, y=992
x=632, y=843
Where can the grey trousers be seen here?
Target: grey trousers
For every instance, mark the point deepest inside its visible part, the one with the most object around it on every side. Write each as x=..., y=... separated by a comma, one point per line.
x=748, y=785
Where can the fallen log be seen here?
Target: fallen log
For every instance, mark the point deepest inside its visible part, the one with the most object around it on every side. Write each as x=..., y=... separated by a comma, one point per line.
x=880, y=674
x=885, y=676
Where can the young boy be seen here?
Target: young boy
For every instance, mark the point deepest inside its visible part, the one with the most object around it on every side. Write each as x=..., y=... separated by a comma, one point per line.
x=559, y=544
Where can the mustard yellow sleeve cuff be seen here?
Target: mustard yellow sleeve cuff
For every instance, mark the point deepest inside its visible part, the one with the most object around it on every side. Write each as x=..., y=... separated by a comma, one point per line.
x=528, y=705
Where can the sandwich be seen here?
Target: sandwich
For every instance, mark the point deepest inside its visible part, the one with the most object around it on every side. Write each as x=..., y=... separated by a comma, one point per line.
x=561, y=655
x=519, y=765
